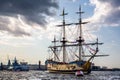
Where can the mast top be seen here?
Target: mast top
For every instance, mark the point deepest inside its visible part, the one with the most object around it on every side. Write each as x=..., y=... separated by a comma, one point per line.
x=80, y=12
x=54, y=41
x=63, y=14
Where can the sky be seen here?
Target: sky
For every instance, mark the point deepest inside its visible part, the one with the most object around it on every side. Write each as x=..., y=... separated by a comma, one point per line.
x=28, y=26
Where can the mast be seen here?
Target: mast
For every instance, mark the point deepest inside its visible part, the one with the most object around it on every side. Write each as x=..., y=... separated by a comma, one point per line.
x=54, y=50
x=80, y=40
x=64, y=36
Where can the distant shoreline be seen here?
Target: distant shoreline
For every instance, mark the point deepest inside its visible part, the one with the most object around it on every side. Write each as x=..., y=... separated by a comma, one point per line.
x=107, y=70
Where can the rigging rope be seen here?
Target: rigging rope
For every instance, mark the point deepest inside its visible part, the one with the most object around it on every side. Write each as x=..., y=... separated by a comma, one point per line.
x=89, y=35
x=73, y=52
x=90, y=49
x=72, y=32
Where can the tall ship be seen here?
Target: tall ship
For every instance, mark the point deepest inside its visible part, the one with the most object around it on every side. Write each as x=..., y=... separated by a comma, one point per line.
x=71, y=55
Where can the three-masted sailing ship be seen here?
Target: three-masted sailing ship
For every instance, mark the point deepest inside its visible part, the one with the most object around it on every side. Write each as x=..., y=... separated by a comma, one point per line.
x=79, y=64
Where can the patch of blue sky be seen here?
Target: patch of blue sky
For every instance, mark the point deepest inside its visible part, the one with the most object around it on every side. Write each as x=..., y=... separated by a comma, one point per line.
x=71, y=7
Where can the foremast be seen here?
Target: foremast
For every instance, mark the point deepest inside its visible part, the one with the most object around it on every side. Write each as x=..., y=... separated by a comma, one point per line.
x=80, y=40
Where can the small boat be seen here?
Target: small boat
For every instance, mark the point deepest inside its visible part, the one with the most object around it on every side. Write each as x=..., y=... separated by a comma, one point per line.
x=79, y=73
x=15, y=66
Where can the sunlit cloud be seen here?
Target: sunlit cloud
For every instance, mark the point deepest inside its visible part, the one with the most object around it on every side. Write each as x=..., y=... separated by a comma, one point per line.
x=106, y=13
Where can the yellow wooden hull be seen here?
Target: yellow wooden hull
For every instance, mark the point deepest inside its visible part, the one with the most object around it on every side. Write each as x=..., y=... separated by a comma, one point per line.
x=68, y=68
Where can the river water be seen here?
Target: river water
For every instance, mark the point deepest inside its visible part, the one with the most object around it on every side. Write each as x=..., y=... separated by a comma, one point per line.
x=44, y=75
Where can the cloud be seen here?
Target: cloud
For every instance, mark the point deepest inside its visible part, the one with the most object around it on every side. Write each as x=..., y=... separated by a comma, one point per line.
x=106, y=12
x=30, y=12
x=11, y=25
x=113, y=15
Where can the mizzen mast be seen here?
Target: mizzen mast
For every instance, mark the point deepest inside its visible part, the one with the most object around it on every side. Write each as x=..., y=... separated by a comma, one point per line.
x=55, y=49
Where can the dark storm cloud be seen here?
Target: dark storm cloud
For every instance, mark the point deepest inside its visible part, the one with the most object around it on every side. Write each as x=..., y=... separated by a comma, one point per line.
x=33, y=11
x=114, y=3
x=113, y=17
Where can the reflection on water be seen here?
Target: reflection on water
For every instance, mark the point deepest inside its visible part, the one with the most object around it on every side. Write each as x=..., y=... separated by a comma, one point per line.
x=44, y=75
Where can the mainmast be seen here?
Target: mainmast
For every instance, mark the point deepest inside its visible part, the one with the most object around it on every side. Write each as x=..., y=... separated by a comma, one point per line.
x=64, y=36
x=80, y=40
